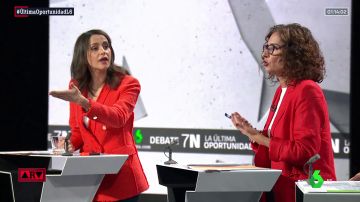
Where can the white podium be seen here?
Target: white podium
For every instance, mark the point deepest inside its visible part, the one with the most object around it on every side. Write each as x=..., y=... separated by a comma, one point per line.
x=330, y=191
x=68, y=178
x=185, y=184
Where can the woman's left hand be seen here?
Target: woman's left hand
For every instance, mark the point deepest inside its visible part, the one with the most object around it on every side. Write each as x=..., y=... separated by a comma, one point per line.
x=356, y=177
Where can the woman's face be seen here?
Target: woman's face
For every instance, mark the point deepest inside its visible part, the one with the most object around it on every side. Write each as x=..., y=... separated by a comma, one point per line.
x=99, y=53
x=271, y=55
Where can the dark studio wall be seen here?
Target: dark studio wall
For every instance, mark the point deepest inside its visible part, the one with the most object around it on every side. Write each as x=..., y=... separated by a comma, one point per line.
x=355, y=90
x=24, y=78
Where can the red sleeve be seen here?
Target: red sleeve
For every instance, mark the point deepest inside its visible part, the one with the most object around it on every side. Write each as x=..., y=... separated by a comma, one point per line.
x=76, y=139
x=254, y=146
x=117, y=115
x=309, y=118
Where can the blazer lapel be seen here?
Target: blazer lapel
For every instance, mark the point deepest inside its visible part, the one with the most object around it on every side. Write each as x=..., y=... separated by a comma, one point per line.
x=284, y=104
x=97, y=125
x=273, y=108
x=103, y=94
x=94, y=124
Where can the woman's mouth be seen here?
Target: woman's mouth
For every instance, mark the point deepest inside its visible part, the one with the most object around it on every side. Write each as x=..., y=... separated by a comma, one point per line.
x=104, y=60
x=265, y=64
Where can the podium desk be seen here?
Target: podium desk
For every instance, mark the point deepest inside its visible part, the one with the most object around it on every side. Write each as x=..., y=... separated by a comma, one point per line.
x=68, y=178
x=330, y=191
x=193, y=185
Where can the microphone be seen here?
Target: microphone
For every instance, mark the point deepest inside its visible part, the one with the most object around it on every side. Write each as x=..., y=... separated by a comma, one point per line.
x=170, y=161
x=66, y=145
x=313, y=159
x=310, y=162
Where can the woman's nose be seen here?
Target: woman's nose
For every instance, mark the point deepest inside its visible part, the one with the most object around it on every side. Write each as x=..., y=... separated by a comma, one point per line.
x=264, y=54
x=102, y=50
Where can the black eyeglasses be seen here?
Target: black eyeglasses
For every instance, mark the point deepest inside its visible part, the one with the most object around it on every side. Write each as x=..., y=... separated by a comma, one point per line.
x=270, y=48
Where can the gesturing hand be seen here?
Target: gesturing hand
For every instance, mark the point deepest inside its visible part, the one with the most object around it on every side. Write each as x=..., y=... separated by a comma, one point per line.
x=246, y=128
x=243, y=125
x=356, y=177
x=72, y=95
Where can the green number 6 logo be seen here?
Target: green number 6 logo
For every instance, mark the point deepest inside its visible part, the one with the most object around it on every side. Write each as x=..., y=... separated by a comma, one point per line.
x=316, y=181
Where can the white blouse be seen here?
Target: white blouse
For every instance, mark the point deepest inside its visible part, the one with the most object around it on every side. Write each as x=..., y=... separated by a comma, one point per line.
x=283, y=90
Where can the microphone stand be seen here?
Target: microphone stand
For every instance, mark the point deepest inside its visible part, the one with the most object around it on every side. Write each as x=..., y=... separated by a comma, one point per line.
x=170, y=161
x=310, y=164
x=310, y=171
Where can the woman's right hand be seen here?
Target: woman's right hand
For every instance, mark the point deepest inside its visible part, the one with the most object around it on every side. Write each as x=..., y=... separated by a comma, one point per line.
x=247, y=129
x=72, y=95
x=243, y=125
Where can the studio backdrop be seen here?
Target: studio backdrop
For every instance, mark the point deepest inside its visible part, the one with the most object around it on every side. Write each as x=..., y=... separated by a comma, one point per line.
x=199, y=59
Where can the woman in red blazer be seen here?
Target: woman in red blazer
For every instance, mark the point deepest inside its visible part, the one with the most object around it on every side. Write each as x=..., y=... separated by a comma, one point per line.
x=102, y=99
x=298, y=124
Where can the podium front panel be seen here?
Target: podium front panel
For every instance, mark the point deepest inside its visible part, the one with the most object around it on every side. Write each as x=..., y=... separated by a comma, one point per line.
x=68, y=178
x=237, y=180
x=329, y=192
x=185, y=184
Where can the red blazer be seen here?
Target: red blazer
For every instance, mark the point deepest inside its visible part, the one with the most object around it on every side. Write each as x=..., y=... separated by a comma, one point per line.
x=300, y=130
x=109, y=131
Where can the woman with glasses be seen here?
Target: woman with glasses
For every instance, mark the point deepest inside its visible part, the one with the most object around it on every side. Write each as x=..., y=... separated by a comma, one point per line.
x=297, y=127
x=102, y=98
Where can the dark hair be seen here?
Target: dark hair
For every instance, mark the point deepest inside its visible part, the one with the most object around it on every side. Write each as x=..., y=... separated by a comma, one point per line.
x=301, y=55
x=80, y=65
